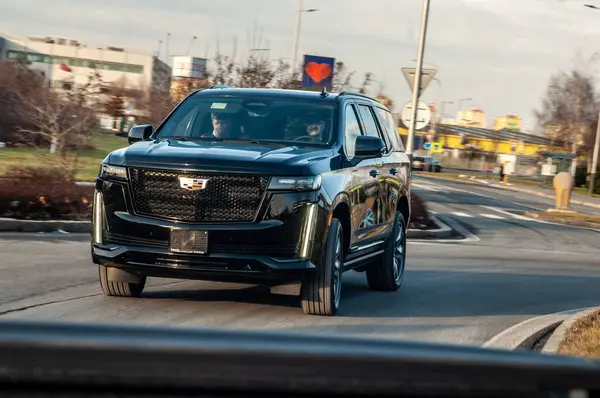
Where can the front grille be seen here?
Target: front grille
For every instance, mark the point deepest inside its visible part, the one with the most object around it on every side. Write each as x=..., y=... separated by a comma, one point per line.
x=230, y=198
x=126, y=240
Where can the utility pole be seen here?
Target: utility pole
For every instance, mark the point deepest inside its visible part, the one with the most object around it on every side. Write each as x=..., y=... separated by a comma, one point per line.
x=595, y=158
x=417, y=83
x=296, y=37
x=167, y=49
x=297, y=34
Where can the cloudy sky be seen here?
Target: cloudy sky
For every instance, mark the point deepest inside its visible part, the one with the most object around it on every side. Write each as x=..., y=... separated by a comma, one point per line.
x=501, y=53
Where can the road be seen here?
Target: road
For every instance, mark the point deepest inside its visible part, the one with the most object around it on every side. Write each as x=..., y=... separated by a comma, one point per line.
x=509, y=269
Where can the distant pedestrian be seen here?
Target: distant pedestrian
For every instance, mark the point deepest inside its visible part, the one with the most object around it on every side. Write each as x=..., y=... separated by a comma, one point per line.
x=501, y=171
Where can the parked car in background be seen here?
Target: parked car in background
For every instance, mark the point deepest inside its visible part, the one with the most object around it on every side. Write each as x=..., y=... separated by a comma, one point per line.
x=427, y=163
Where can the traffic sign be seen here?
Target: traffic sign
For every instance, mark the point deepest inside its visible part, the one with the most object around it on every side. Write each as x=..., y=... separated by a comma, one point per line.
x=427, y=76
x=423, y=115
x=437, y=147
x=427, y=145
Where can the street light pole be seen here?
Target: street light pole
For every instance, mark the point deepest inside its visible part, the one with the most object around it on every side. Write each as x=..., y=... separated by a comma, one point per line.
x=595, y=158
x=460, y=101
x=417, y=83
x=297, y=34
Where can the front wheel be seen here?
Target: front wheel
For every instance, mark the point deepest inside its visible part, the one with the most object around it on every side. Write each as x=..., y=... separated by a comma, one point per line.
x=120, y=288
x=387, y=274
x=321, y=291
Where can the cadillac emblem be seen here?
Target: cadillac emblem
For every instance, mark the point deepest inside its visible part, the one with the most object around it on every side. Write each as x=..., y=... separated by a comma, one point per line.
x=192, y=184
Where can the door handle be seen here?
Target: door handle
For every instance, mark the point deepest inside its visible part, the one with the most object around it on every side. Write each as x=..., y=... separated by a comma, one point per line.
x=373, y=173
x=393, y=171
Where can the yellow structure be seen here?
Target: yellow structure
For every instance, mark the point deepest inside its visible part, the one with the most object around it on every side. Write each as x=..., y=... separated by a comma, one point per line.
x=472, y=118
x=490, y=144
x=508, y=122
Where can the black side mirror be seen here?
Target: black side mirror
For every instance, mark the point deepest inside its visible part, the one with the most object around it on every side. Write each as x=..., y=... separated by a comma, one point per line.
x=367, y=146
x=139, y=133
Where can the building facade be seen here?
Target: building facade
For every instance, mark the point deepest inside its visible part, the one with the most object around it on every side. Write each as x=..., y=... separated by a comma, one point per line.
x=66, y=63
x=472, y=118
x=508, y=122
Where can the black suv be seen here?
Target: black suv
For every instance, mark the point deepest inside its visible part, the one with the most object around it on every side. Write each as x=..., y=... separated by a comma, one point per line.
x=262, y=186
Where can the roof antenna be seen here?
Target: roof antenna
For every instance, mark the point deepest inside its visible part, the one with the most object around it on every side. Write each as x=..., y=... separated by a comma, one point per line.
x=324, y=93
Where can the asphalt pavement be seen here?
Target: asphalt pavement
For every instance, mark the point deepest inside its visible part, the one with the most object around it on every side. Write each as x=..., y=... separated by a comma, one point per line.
x=508, y=269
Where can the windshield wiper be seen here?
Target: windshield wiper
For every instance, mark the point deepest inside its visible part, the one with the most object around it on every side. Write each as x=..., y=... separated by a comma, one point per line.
x=182, y=138
x=268, y=142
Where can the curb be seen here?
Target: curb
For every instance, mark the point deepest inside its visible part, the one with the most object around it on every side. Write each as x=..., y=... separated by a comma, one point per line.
x=14, y=225
x=443, y=231
x=525, y=334
x=551, y=346
x=565, y=221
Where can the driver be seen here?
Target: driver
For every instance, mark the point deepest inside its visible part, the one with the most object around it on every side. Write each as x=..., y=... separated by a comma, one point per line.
x=315, y=128
x=222, y=124
x=223, y=127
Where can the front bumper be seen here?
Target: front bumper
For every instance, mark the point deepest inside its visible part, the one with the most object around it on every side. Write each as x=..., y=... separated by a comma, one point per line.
x=215, y=267
x=285, y=241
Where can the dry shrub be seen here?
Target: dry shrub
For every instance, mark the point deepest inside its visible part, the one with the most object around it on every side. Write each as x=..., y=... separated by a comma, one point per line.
x=419, y=216
x=38, y=193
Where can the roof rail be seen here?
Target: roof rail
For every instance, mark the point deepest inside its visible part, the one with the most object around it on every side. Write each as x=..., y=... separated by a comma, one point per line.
x=219, y=86
x=346, y=92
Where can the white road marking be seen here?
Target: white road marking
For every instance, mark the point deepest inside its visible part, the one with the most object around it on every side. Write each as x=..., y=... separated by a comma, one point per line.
x=487, y=196
x=459, y=214
x=492, y=216
x=517, y=216
x=426, y=187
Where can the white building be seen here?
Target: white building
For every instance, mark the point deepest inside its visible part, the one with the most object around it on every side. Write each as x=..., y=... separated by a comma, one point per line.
x=65, y=62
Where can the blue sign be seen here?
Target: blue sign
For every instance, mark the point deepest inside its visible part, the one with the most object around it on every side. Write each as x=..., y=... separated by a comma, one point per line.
x=427, y=145
x=318, y=72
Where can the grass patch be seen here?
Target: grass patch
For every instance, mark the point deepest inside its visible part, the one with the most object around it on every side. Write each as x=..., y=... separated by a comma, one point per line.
x=583, y=338
x=88, y=161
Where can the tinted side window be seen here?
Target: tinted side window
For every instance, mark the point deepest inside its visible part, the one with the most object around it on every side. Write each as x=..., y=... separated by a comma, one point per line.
x=389, y=126
x=369, y=124
x=351, y=131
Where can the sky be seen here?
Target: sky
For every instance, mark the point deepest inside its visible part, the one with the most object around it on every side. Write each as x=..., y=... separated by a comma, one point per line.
x=500, y=53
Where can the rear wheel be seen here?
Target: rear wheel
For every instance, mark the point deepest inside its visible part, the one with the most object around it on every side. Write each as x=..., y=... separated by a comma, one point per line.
x=119, y=288
x=321, y=291
x=387, y=274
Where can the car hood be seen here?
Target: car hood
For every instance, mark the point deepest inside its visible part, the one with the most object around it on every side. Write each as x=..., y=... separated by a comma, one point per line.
x=228, y=156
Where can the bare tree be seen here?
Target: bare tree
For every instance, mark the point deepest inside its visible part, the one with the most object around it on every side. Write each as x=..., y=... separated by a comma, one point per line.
x=225, y=70
x=255, y=72
x=287, y=78
x=342, y=78
x=65, y=119
x=155, y=107
x=16, y=81
x=569, y=110
x=115, y=106
x=385, y=100
x=367, y=80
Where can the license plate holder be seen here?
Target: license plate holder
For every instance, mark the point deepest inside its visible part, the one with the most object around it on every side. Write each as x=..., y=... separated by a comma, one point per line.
x=189, y=241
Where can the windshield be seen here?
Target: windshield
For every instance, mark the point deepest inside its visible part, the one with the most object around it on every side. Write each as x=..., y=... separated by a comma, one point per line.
x=289, y=121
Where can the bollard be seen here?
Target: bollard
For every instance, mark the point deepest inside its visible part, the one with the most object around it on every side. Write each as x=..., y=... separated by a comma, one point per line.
x=563, y=186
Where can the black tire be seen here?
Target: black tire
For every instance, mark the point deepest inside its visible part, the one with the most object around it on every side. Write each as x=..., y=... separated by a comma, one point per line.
x=321, y=290
x=387, y=274
x=119, y=289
